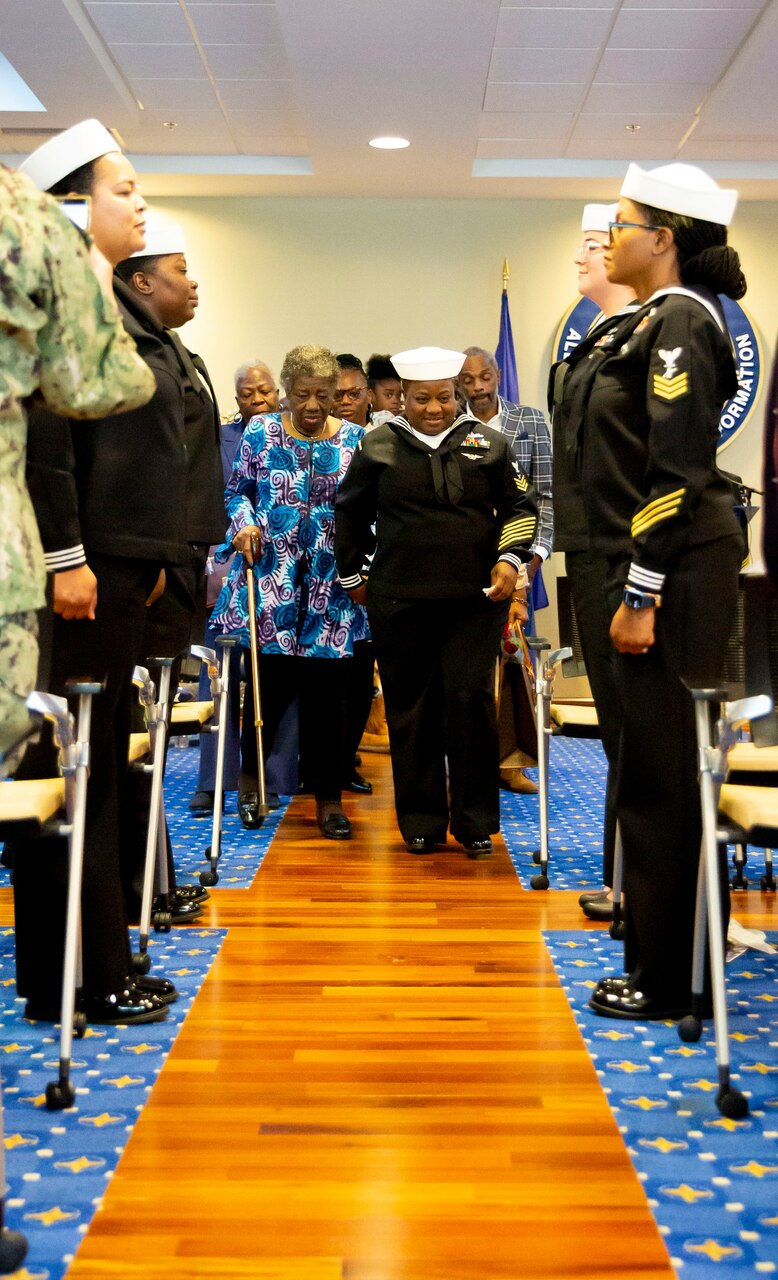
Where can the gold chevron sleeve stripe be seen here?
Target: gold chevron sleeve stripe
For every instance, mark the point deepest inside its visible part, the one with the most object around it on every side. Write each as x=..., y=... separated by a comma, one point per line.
x=671, y=388
x=647, y=518
x=655, y=519
x=521, y=535
x=658, y=502
x=519, y=526
x=521, y=483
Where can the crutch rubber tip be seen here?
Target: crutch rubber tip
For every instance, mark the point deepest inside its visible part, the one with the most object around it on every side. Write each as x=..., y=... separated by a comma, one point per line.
x=162, y=921
x=616, y=931
x=767, y=882
x=539, y=882
x=60, y=1094
x=732, y=1104
x=141, y=962
x=536, y=857
x=690, y=1029
x=208, y=878
x=13, y=1250
x=80, y=1024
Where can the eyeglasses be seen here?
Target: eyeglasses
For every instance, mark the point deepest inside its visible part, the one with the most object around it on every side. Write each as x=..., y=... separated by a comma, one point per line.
x=640, y=226
x=588, y=247
x=350, y=393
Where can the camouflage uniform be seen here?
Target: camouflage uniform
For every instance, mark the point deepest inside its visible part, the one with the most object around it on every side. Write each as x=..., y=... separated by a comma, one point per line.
x=59, y=336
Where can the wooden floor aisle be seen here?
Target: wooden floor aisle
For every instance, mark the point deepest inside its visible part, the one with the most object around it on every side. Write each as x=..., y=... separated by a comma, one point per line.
x=380, y=1080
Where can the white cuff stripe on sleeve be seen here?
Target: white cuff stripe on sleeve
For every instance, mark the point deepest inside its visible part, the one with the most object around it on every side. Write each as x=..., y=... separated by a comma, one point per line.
x=67, y=558
x=645, y=579
x=351, y=582
x=511, y=559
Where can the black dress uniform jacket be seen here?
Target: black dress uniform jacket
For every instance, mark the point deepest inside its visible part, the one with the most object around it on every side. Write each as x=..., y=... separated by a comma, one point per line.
x=117, y=487
x=648, y=467
x=205, y=517
x=443, y=516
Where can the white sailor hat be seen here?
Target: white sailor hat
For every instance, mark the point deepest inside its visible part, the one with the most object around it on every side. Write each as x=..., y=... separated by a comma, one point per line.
x=681, y=188
x=162, y=237
x=428, y=364
x=60, y=156
x=598, y=217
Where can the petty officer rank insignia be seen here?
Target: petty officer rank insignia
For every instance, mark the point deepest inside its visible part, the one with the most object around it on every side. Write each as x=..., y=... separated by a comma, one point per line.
x=671, y=383
x=519, y=479
x=476, y=441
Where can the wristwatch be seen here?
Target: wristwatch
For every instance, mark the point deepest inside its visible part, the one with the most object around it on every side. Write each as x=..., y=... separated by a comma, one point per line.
x=635, y=599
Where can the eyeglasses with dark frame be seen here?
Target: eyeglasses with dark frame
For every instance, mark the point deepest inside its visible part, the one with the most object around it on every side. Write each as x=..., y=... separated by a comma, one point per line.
x=640, y=226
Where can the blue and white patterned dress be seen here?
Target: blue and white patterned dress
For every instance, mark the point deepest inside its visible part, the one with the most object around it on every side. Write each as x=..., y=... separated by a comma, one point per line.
x=286, y=487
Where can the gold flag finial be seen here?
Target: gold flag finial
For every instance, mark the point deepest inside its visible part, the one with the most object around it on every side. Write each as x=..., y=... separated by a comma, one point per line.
x=506, y=274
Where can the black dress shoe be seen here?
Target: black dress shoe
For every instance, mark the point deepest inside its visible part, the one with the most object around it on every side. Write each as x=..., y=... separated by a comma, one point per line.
x=600, y=909
x=162, y=988
x=248, y=810
x=335, y=826
x=631, y=1004
x=359, y=784
x=592, y=895
x=182, y=910
x=191, y=893
x=129, y=1005
x=478, y=848
x=421, y=844
x=613, y=984
x=201, y=803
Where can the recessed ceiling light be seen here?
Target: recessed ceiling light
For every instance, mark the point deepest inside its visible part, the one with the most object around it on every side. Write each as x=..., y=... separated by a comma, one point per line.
x=169, y=124
x=389, y=144
x=632, y=128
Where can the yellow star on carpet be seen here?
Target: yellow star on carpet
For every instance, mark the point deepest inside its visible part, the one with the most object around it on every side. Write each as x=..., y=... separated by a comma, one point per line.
x=645, y=1104
x=79, y=1165
x=748, y=975
x=767, y=998
x=724, y=1122
x=685, y=1051
x=14, y=1048
x=195, y=951
x=38, y=1101
x=7, y=933
x=705, y=1085
x=740, y=1036
x=7, y=982
x=90, y=1031
x=142, y=1048
x=662, y=1144
x=588, y=982
x=572, y=945
x=629, y=1067
x=182, y=973
x=769, y=1222
x=755, y=1169
x=761, y=1067
x=582, y=964
x=121, y=1082
x=615, y=1035
x=687, y=1193
x=16, y=1140
x=50, y=1217
x=713, y=1250
x=102, y=1120
x=24, y=1274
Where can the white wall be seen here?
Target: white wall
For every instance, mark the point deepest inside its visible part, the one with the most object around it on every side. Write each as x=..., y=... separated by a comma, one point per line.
x=383, y=275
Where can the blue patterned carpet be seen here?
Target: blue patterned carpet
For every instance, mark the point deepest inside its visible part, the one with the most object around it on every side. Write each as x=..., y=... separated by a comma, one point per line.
x=242, y=851
x=712, y=1183
x=58, y=1163
x=576, y=797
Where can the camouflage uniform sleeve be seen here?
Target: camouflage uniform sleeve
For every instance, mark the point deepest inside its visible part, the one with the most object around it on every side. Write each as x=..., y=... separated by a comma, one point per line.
x=89, y=365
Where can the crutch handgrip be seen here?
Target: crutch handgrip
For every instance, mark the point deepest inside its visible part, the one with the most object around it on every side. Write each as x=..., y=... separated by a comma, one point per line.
x=745, y=709
x=537, y=643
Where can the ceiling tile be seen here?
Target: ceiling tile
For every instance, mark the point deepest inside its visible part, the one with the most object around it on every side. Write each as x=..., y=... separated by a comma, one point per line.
x=695, y=4
x=552, y=28
x=543, y=66
x=126, y=23
x=758, y=149
x=642, y=98
x=532, y=97
x=269, y=100
x=512, y=149
x=689, y=29
x=255, y=62
x=593, y=127
x=509, y=127
x=203, y=131
x=642, y=149
x=661, y=66
x=236, y=23
x=157, y=61
x=174, y=95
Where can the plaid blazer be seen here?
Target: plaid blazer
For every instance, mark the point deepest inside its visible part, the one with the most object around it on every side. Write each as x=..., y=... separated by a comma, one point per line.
x=528, y=433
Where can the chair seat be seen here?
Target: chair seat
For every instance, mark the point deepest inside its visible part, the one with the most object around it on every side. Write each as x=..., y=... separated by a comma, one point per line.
x=570, y=715
x=747, y=757
x=140, y=745
x=754, y=809
x=26, y=806
x=195, y=713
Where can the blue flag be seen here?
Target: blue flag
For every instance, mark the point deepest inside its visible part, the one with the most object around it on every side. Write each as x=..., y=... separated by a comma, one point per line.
x=505, y=355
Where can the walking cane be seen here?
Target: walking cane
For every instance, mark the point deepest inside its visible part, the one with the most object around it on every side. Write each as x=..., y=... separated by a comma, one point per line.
x=263, y=809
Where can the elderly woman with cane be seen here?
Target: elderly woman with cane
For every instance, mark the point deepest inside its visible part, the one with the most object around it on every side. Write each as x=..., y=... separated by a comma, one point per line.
x=281, y=498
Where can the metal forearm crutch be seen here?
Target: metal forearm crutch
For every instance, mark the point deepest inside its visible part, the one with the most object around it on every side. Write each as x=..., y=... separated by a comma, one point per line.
x=263, y=809
x=713, y=765
x=220, y=690
x=156, y=713
x=544, y=685
x=74, y=766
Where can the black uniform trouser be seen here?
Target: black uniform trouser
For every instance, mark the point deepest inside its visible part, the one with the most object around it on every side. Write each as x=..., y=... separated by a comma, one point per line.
x=588, y=575
x=658, y=797
x=104, y=649
x=167, y=632
x=320, y=686
x=437, y=660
